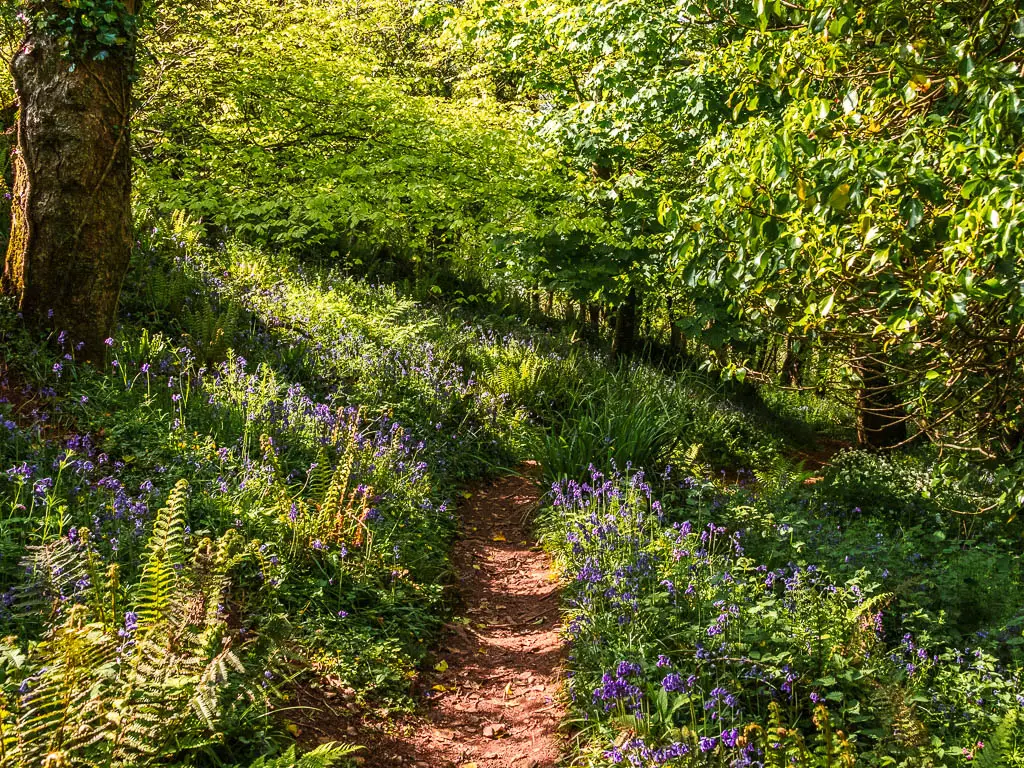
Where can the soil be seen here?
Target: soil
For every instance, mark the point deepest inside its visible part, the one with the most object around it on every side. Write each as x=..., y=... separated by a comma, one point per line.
x=820, y=457
x=491, y=694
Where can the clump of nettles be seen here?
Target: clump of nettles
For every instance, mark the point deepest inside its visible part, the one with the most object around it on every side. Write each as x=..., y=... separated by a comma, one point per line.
x=94, y=29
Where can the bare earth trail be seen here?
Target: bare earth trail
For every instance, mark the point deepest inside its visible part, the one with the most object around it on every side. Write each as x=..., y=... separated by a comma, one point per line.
x=494, y=699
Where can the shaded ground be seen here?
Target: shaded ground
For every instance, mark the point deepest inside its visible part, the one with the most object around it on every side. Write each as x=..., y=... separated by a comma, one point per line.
x=492, y=700
x=818, y=458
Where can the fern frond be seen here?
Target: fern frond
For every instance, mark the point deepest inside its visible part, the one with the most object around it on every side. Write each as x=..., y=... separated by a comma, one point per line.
x=999, y=748
x=158, y=585
x=54, y=572
x=63, y=709
x=324, y=756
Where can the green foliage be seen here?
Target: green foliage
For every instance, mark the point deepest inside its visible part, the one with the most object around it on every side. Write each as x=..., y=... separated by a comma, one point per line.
x=620, y=423
x=97, y=29
x=291, y=98
x=838, y=172
x=819, y=189
x=158, y=686
x=861, y=194
x=747, y=641
x=323, y=756
x=857, y=482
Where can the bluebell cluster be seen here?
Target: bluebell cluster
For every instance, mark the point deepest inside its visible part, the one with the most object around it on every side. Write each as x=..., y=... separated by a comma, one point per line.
x=672, y=623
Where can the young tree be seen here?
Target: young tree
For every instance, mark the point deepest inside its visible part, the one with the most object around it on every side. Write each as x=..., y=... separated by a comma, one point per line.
x=71, y=230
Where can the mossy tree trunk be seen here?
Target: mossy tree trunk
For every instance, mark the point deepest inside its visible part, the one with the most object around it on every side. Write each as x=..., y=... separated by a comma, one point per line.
x=8, y=113
x=71, y=234
x=793, y=364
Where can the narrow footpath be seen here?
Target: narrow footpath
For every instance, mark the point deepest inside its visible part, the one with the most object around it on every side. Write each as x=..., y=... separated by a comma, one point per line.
x=492, y=694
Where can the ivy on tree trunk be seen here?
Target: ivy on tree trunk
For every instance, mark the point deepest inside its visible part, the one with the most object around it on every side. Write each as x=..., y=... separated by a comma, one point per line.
x=71, y=224
x=8, y=114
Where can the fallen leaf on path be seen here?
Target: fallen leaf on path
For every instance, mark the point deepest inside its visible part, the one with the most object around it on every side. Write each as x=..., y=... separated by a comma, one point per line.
x=441, y=666
x=498, y=537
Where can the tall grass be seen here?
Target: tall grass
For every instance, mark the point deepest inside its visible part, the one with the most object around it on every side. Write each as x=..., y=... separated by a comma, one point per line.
x=623, y=420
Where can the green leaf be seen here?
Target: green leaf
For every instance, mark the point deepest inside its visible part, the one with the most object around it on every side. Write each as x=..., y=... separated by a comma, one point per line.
x=913, y=212
x=840, y=197
x=826, y=305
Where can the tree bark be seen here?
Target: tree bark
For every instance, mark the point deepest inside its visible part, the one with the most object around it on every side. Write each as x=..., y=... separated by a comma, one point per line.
x=792, y=365
x=570, y=310
x=766, y=359
x=881, y=417
x=624, y=341
x=71, y=234
x=675, y=334
x=7, y=137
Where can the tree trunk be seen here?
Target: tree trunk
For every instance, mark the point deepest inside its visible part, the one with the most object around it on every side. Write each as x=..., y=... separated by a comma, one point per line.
x=675, y=334
x=8, y=114
x=881, y=418
x=550, y=306
x=71, y=235
x=624, y=341
x=570, y=311
x=595, y=317
x=792, y=366
x=768, y=353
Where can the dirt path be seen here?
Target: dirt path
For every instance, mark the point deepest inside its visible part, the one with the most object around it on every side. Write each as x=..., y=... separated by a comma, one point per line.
x=493, y=696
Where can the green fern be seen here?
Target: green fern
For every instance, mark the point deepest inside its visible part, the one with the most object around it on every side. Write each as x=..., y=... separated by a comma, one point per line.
x=776, y=478
x=158, y=586
x=53, y=571
x=210, y=330
x=332, y=505
x=319, y=480
x=1000, y=749
x=63, y=710
x=324, y=756
x=152, y=693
